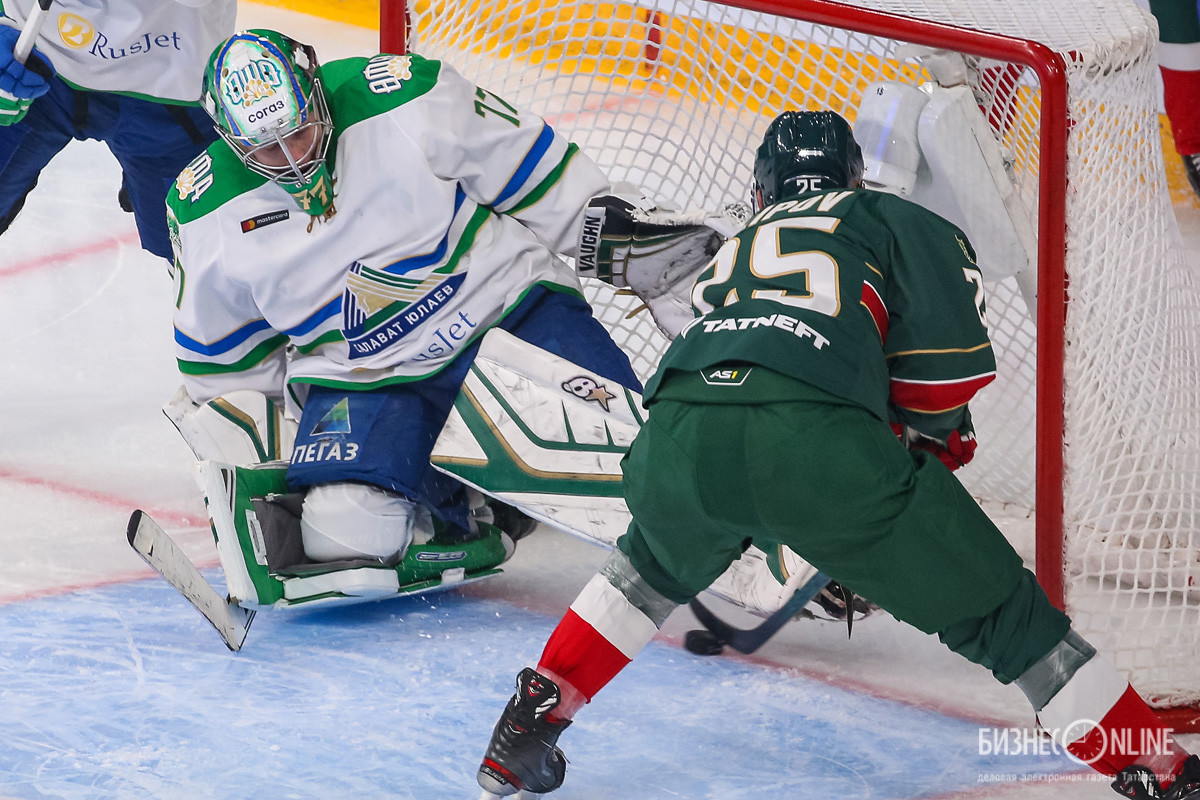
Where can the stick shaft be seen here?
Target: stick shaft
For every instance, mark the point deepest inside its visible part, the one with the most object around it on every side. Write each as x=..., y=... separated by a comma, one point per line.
x=31, y=29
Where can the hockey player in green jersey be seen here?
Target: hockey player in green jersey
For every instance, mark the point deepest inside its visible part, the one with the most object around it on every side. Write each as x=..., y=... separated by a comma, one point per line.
x=837, y=319
x=342, y=251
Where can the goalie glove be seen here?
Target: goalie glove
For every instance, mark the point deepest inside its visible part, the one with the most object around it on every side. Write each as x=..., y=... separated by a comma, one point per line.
x=956, y=451
x=20, y=84
x=630, y=243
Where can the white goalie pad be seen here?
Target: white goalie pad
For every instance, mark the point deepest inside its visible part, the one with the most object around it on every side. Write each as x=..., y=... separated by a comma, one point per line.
x=260, y=571
x=547, y=436
x=217, y=481
x=244, y=427
x=934, y=146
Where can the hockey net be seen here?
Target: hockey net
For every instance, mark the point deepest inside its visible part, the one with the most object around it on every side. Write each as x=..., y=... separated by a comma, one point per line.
x=1093, y=442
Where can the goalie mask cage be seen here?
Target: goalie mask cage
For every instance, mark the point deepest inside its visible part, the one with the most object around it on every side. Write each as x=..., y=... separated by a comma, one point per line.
x=1089, y=455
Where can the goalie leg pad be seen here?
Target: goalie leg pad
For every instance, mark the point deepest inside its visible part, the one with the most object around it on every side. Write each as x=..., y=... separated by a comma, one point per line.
x=256, y=523
x=243, y=427
x=229, y=493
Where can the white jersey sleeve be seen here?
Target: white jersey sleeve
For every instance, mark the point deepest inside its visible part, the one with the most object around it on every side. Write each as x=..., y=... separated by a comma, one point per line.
x=154, y=49
x=508, y=159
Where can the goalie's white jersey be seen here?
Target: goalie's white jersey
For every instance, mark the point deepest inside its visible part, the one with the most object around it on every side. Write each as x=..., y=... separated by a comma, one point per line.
x=155, y=49
x=449, y=203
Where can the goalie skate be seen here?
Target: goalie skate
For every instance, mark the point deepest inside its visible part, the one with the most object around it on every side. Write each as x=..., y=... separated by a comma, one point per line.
x=256, y=525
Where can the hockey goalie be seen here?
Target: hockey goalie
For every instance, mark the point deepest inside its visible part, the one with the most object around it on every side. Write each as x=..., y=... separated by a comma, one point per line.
x=355, y=290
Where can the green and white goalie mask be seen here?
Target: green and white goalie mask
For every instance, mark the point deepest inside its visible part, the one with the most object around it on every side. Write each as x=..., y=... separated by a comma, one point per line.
x=263, y=91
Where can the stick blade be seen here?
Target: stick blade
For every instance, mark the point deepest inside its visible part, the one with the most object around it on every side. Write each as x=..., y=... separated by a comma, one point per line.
x=747, y=640
x=161, y=552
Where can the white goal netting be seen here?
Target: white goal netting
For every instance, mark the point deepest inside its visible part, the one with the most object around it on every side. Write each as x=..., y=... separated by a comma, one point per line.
x=674, y=95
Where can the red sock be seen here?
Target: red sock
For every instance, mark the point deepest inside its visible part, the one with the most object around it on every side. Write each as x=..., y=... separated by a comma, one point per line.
x=600, y=634
x=1129, y=733
x=1181, y=98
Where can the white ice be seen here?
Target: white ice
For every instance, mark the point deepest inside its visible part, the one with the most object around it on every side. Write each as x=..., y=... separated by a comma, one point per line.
x=113, y=687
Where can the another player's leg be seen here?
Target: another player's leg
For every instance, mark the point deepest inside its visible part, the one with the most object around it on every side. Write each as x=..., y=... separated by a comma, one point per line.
x=933, y=559
x=1179, y=63
x=613, y=618
x=153, y=143
x=27, y=147
x=607, y=625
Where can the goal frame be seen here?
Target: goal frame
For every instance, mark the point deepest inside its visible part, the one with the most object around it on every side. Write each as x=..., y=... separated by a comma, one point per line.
x=1052, y=282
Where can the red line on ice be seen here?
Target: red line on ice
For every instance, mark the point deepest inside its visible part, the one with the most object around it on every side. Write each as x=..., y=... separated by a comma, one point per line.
x=168, y=517
x=64, y=257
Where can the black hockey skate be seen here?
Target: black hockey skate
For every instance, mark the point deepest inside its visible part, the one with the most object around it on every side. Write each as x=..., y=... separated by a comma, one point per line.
x=841, y=604
x=1191, y=165
x=522, y=755
x=510, y=519
x=1139, y=783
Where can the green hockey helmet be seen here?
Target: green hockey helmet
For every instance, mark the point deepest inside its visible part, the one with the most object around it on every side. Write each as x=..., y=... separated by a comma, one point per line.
x=263, y=91
x=805, y=151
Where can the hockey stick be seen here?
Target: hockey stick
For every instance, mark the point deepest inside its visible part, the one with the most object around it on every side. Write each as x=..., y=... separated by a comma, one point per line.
x=31, y=29
x=161, y=552
x=718, y=633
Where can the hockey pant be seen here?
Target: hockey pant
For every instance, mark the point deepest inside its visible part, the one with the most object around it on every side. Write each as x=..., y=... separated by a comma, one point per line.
x=151, y=141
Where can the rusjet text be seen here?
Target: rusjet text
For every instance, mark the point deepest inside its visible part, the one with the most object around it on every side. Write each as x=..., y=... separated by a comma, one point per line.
x=144, y=44
x=456, y=332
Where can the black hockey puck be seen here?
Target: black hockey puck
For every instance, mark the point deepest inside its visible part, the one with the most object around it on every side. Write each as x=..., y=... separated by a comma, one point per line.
x=703, y=643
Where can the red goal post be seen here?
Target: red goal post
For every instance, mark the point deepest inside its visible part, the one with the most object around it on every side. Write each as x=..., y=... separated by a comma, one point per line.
x=657, y=89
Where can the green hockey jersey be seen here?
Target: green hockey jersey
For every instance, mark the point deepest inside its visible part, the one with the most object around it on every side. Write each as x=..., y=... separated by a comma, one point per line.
x=864, y=295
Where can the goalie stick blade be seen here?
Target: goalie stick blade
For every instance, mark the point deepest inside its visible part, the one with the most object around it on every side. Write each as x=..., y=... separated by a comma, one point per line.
x=746, y=641
x=162, y=553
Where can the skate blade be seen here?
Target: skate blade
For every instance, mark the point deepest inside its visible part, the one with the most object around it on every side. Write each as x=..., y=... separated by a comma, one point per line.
x=522, y=795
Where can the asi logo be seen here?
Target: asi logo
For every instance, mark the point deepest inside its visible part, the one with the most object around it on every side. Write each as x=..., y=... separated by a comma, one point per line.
x=75, y=31
x=387, y=73
x=586, y=388
x=725, y=376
